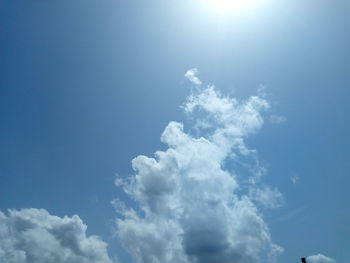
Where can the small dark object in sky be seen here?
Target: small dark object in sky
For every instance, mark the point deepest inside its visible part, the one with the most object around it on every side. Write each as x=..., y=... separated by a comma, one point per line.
x=303, y=260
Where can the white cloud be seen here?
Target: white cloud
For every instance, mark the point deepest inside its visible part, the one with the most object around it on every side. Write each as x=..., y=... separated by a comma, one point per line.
x=229, y=117
x=191, y=75
x=266, y=197
x=35, y=236
x=319, y=258
x=192, y=209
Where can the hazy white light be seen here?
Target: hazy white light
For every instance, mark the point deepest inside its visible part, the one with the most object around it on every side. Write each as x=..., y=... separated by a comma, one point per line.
x=228, y=6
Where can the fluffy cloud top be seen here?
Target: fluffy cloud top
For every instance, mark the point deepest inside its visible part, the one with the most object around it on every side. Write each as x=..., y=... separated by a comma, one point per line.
x=35, y=236
x=319, y=258
x=191, y=208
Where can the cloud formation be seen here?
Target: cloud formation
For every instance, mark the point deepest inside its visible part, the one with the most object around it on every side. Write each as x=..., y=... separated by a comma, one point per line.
x=277, y=119
x=294, y=179
x=319, y=258
x=35, y=236
x=191, y=75
x=192, y=209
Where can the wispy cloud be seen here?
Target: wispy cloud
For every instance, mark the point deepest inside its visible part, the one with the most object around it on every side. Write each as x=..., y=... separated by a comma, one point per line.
x=191, y=75
x=35, y=236
x=292, y=214
x=319, y=258
x=266, y=197
x=191, y=208
x=294, y=179
x=277, y=119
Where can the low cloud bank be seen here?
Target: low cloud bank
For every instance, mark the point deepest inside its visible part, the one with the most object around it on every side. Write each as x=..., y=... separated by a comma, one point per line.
x=192, y=208
x=35, y=236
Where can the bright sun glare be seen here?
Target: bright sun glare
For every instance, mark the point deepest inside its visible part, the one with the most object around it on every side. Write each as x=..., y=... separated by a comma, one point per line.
x=228, y=6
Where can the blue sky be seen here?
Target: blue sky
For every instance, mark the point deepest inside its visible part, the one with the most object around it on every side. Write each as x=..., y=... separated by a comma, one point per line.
x=87, y=86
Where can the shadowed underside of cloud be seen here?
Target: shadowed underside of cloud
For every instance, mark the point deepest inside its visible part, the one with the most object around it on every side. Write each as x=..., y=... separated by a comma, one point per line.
x=191, y=208
x=35, y=236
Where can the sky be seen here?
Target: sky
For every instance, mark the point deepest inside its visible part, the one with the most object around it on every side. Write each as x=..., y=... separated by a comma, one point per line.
x=166, y=131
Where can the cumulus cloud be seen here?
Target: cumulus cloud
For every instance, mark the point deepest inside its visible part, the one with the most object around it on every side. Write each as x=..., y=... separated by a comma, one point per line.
x=191, y=75
x=319, y=258
x=191, y=207
x=35, y=236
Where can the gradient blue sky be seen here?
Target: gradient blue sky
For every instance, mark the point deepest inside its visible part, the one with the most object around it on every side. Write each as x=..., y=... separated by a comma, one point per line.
x=87, y=85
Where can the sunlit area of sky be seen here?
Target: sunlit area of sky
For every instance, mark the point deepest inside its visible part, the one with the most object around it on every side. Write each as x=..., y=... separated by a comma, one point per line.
x=174, y=131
